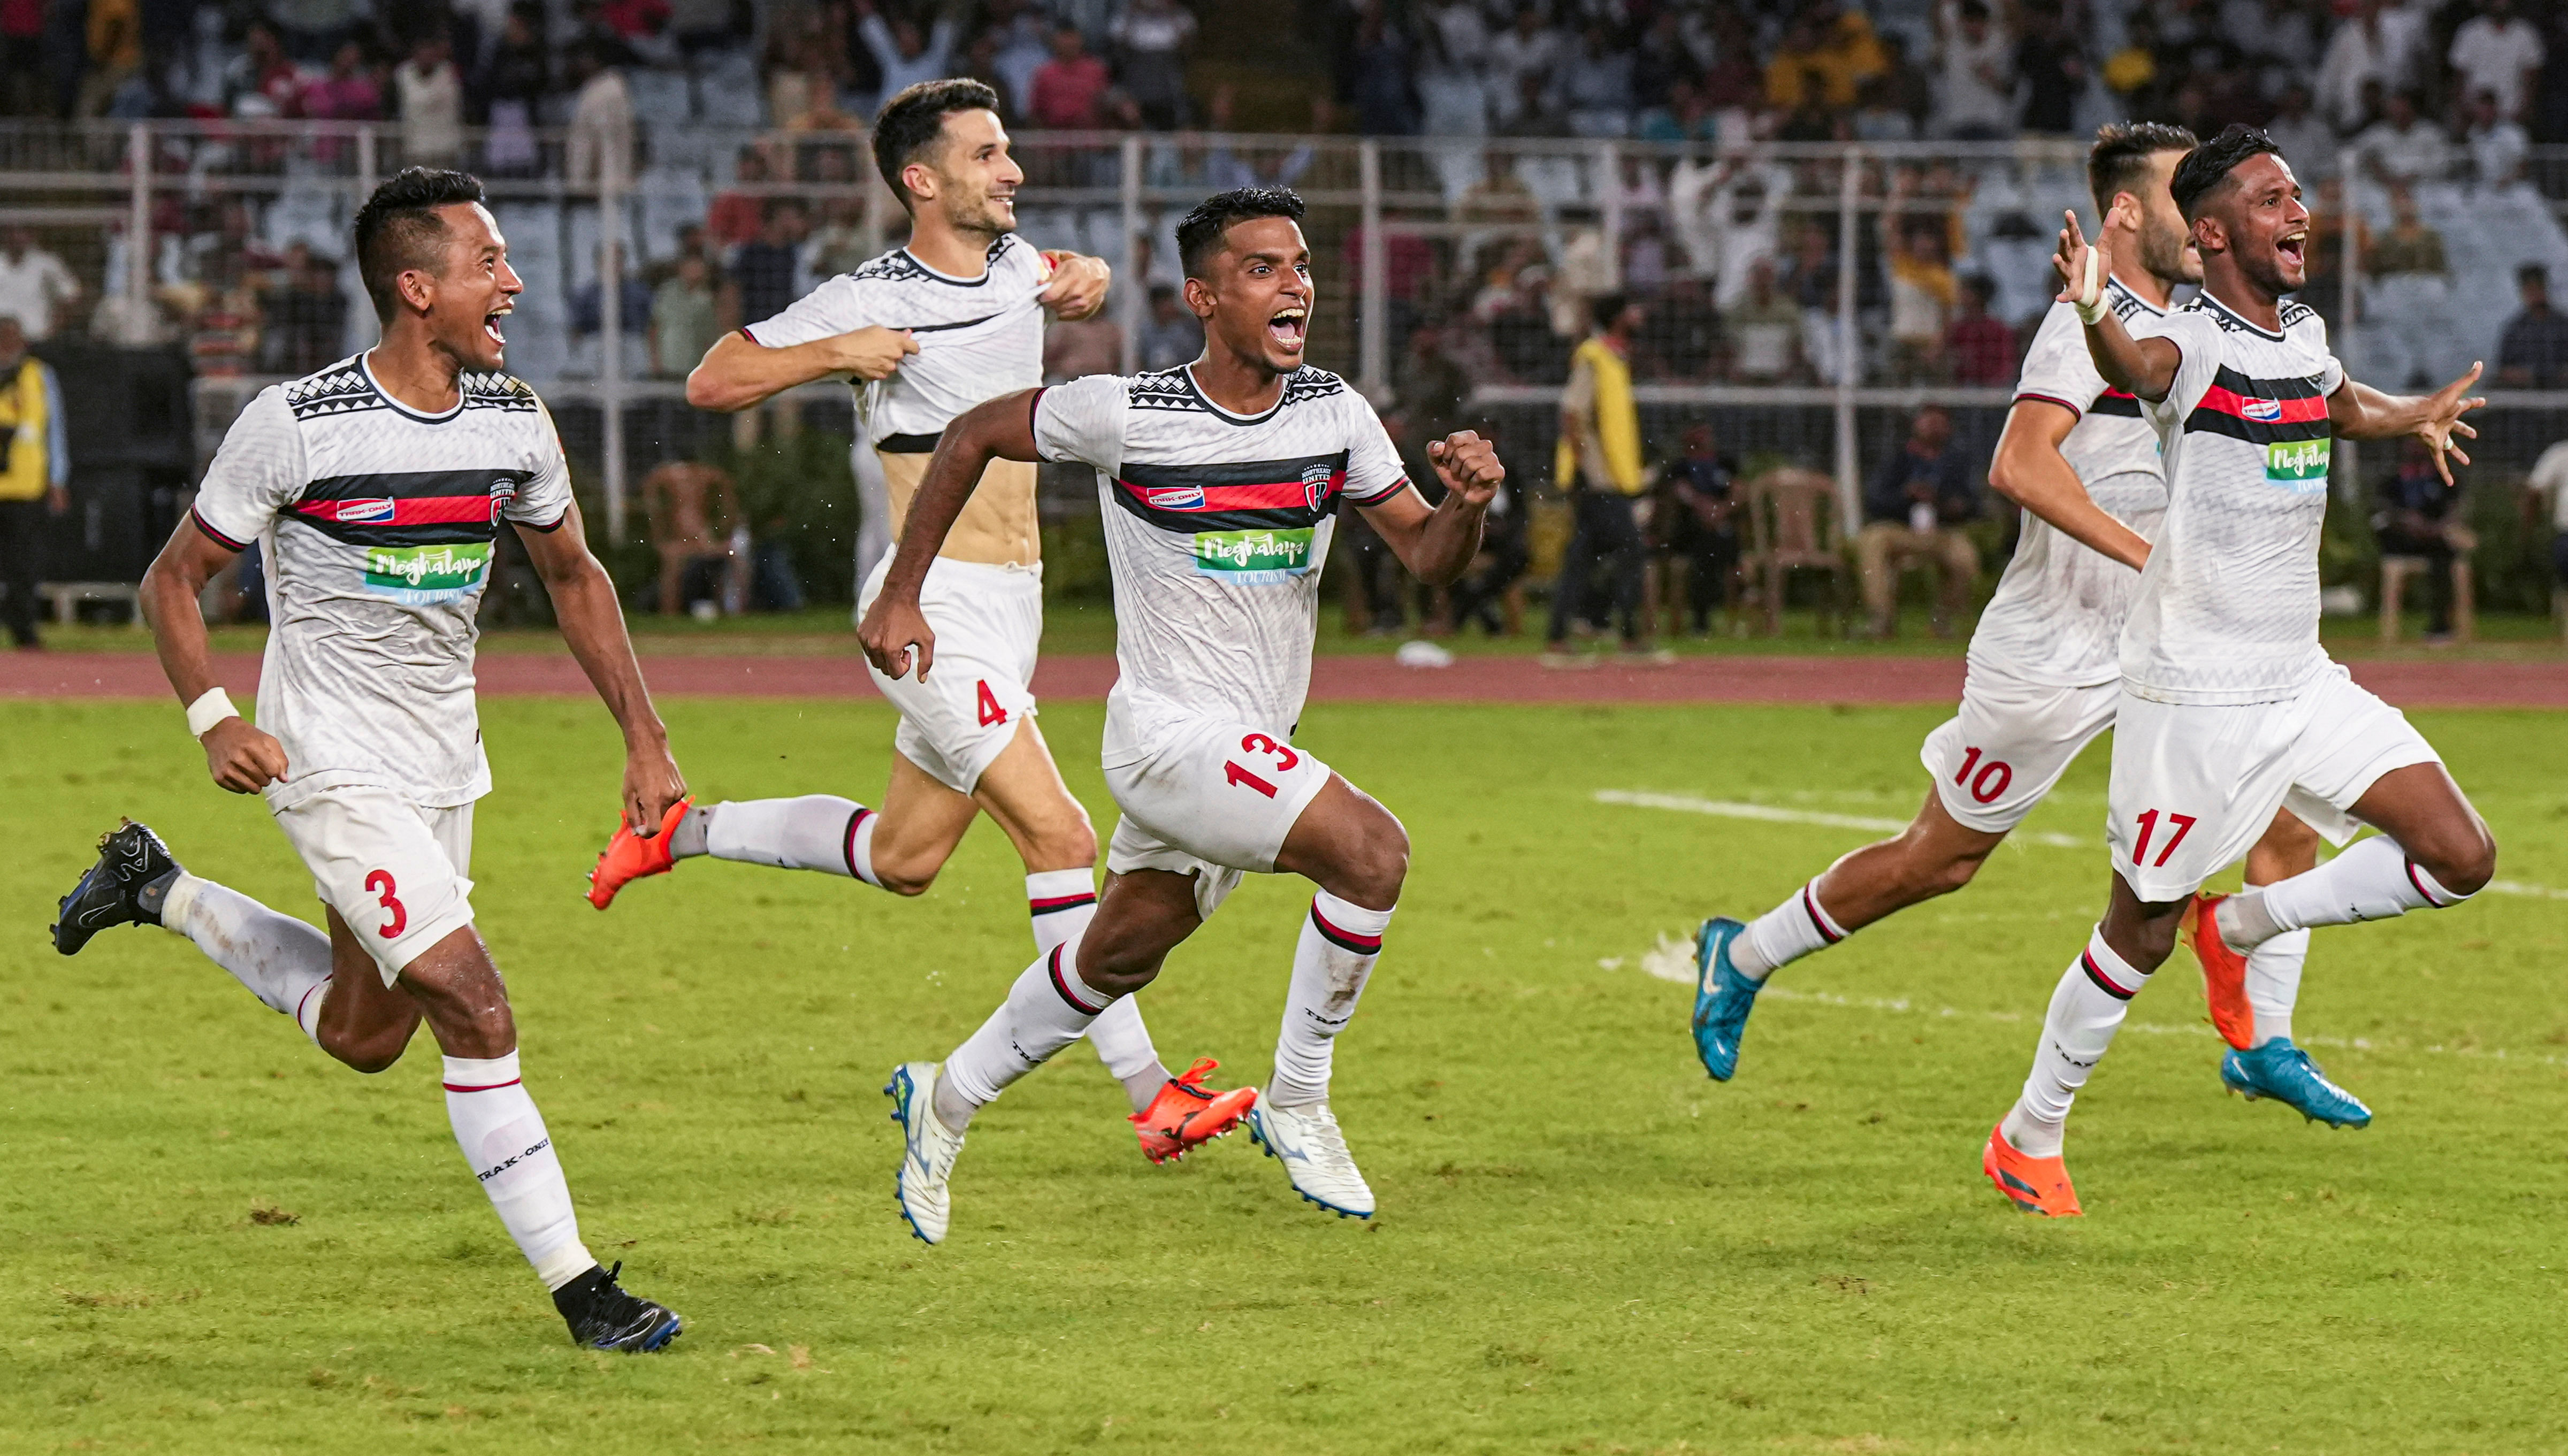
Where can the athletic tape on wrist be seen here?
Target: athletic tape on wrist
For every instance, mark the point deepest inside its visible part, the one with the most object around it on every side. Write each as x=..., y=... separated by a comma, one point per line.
x=207, y=711
x=2090, y=299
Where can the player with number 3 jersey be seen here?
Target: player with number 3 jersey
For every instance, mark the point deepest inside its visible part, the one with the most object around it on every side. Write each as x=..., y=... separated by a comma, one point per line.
x=927, y=331
x=1218, y=482
x=375, y=490
x=2045, y=675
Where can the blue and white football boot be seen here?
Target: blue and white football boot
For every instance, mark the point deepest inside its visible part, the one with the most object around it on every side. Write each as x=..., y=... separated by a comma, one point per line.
x=1722, y=998
x=928, y=1150
x=2284, y=1073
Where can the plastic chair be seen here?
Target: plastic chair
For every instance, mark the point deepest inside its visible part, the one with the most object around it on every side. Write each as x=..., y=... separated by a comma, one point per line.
x=1794, y=527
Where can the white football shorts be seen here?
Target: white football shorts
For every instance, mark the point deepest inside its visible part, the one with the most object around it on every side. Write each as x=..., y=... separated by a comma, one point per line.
x=1210, y=798
x=2196, y=785
x=397, y=873
x=988, y=621
x=2007, y=746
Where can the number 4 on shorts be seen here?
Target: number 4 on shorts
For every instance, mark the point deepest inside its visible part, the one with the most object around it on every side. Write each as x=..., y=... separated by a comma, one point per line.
x=991, y=712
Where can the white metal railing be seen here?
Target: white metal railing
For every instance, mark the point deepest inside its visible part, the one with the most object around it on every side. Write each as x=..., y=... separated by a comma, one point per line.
x=1449, y=191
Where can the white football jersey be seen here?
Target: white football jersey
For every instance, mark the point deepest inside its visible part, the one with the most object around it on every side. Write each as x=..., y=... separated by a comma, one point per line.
x=2057, y=617
x=377, y=525
x=978, y=338
x=1217, y=528
x=2228, y=609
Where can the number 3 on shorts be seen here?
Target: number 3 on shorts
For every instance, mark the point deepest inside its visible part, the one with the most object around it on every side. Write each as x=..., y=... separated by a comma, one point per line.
x=1285, y=760
x=381, y=883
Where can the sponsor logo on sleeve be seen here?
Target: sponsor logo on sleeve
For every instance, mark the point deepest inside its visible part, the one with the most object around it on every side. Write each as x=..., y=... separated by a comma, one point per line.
x=1254, y=558
x=2297, y=466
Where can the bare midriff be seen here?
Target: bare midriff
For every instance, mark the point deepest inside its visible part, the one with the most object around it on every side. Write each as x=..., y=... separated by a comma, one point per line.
x=998, y=526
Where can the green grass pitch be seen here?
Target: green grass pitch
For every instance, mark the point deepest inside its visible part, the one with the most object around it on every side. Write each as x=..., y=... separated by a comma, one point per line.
x=219, y=1240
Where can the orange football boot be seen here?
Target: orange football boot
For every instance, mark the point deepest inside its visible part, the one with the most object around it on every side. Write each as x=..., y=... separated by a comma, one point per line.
x=631, y=857
x=2035, y=1184
x=1184, y=1116
x=2224, y=973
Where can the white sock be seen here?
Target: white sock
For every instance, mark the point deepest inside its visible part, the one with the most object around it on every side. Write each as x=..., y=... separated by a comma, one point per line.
x=2274, y=982
x=1339, y=943
x=283, y=961
x=1047, y=1009
x=1784, y=934
x=2095, y=994
x=2373, y=880
x=1060, y=903
x=818, y=831
x=503, y=1138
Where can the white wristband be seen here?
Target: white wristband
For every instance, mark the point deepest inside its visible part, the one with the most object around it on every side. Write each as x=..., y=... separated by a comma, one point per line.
x=208, y=710
x=2091, y=303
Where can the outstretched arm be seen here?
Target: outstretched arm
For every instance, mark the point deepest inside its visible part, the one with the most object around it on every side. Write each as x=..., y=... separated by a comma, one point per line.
x=1438, y=545
x=2360, y=412
x=2144, y=367
x=1000, y=429
x=592, y=622
x=241, y=758
x=738, y=372
x=2031, y=472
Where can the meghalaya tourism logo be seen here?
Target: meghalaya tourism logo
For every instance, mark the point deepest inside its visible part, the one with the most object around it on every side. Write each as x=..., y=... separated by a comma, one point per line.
x=1254, y=558
x=421, y=576
x=2297, y=466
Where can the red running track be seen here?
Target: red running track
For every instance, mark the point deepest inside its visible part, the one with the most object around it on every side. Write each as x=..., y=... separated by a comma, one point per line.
x=1853, y=679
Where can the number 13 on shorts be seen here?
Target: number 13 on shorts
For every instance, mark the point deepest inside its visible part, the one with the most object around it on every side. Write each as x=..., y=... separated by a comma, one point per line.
x=1282, y=756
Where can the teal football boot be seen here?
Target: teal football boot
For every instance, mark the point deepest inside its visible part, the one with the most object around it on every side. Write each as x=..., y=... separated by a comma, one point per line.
x=2284, y=1073
x=1722, y=998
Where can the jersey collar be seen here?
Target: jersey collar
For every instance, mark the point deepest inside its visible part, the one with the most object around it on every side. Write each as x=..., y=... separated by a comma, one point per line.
x=2207, y=301
x=1188, y=373
x=986, y=260
x=365, y=366
x=2118, y=286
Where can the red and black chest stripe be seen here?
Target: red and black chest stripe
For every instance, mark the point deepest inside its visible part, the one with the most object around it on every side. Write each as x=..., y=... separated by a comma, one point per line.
x=2120, y=403
x=2260, y=410
x=1253, y=495
x=405, y=507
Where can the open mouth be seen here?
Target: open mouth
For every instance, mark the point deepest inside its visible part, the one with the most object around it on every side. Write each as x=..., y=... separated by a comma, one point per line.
x=1288, y=327
x=490, y=326
x=2294, y=247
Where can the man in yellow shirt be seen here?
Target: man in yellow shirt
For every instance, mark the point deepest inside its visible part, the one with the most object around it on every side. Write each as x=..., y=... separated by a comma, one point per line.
x=1599, y=463
x=35, y=471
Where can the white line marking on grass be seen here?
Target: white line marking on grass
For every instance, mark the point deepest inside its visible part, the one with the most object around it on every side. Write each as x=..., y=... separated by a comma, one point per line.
x=1672, y=959
x=1727, y=809
x=1772, y=814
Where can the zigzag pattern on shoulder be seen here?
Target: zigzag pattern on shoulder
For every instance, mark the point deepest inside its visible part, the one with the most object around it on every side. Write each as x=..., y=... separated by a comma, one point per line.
x=896, y=266
x=1308, y=383
x=1164, y=390
x=999, y=248
x=338, y=390
x=2293, y=313
x=495, y=390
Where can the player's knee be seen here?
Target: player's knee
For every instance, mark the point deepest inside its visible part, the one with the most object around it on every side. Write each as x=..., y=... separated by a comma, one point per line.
x=1118, y=969
x=1378, y=864
x=368, y=1052
x=904, y=879
x=2461, y=861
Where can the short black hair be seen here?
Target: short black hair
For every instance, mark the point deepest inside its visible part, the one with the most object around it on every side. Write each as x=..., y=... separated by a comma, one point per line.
x=914, y=121
x=398, y=230
x=1199, y=235
x=2119, y=161
x=2532, y=273
x=2207, y=167
x=1605, y=308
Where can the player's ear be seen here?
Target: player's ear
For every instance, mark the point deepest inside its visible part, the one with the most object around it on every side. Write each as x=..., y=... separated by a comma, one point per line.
x=417, y=287
x=920, y=179
x=1200, y=298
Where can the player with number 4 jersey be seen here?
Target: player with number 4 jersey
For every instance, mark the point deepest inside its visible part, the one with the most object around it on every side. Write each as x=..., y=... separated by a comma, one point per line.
x=2043, y=674
x=1219, y=482
x=927, y=331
